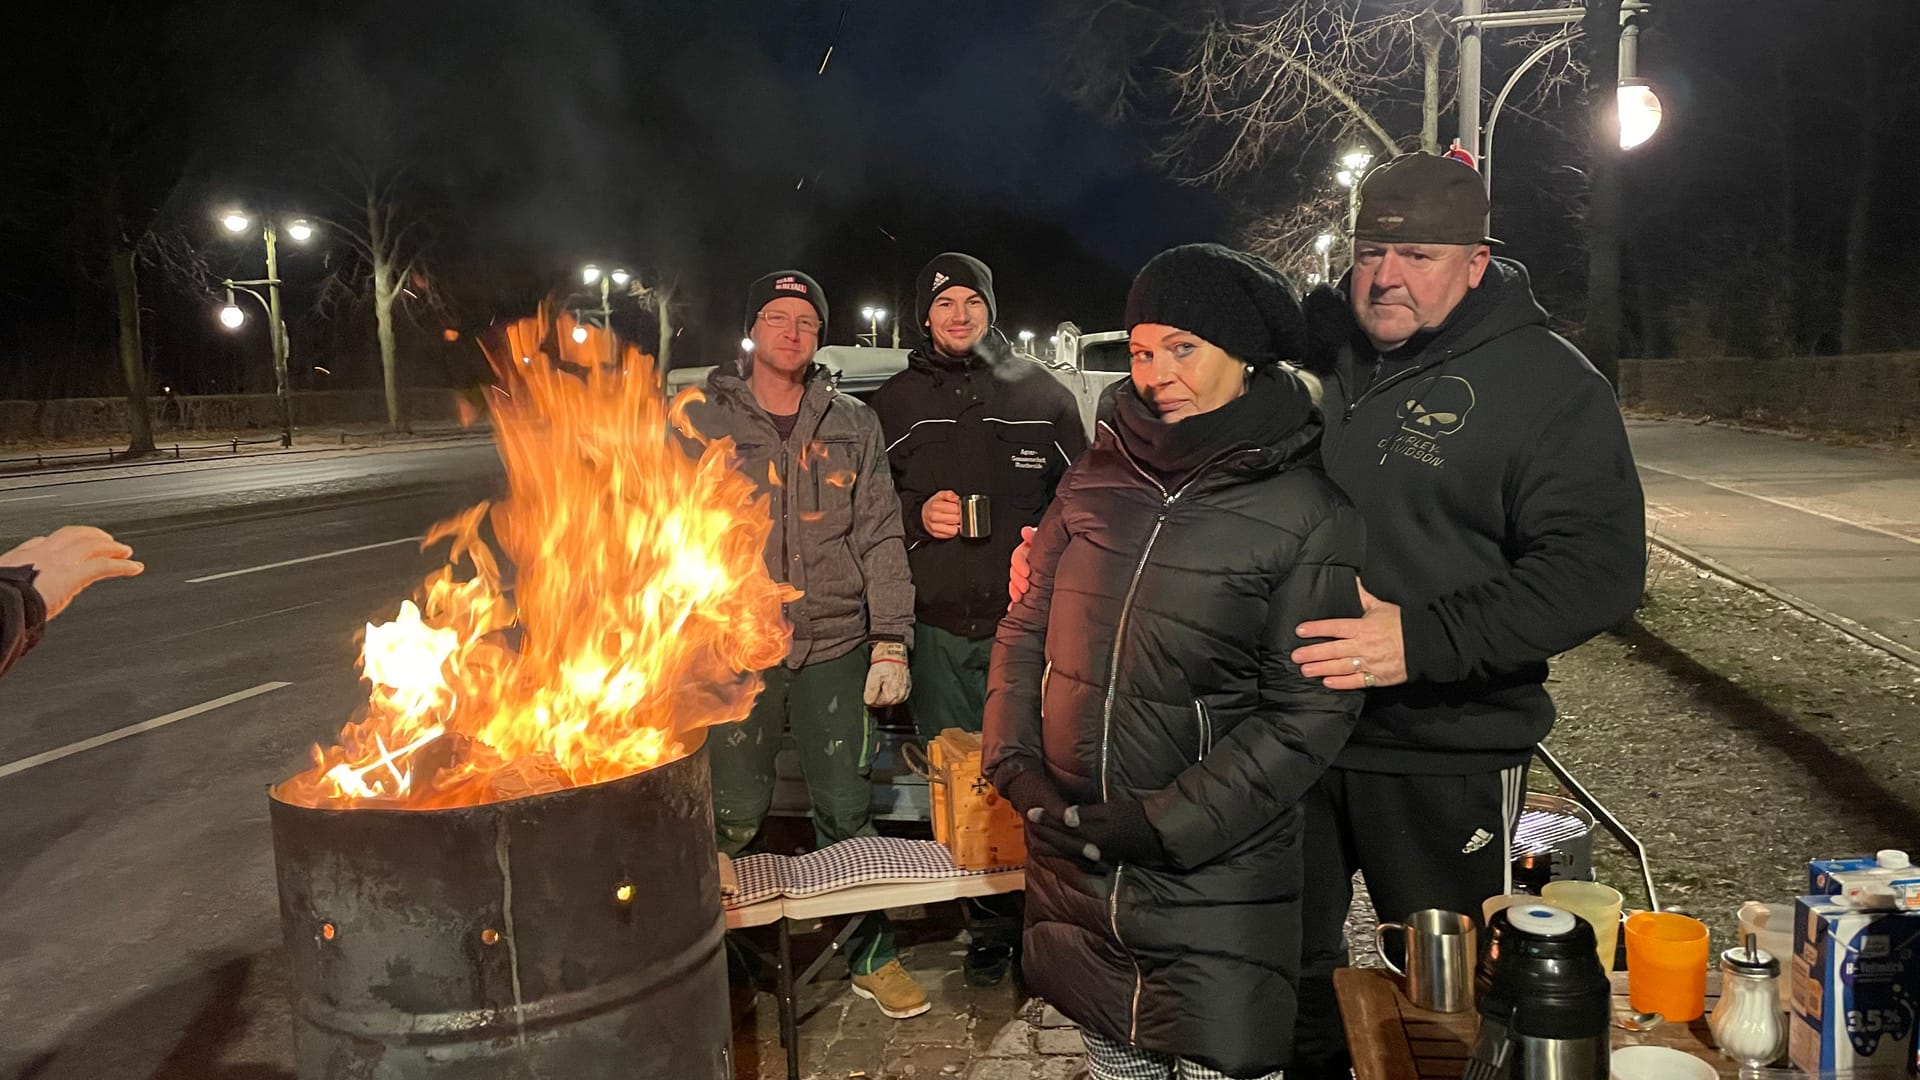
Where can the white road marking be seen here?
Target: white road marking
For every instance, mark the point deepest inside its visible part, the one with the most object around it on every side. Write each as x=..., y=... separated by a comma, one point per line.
x=84, y=745
x=307, y=559
x=237, y=622
x=1786, y=503
x=25, y=498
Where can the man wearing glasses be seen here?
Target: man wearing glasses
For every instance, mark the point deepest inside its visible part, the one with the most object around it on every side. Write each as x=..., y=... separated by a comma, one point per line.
x=817, y=456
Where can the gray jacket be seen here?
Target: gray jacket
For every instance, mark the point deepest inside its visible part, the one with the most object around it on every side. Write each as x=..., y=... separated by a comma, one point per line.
x=836, y=534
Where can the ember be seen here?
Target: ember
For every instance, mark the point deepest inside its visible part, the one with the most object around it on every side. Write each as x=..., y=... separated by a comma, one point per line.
x=639, y=611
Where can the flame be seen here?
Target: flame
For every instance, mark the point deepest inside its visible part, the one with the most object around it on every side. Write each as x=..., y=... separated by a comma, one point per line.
x=637, y=614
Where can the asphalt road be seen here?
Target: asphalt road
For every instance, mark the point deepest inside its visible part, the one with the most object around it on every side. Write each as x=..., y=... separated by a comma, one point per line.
x=139, y=931
x=1837, y=528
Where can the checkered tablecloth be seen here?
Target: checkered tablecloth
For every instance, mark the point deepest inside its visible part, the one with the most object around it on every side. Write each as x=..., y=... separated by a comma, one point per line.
x=863, y=860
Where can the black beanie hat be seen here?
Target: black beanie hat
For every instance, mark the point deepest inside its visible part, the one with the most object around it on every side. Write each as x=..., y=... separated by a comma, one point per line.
x=944, y=272
x=1227, y=297
x=781, y=283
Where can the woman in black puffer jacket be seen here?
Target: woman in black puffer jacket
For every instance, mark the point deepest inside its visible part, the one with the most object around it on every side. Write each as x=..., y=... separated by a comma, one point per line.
x=1142, y=711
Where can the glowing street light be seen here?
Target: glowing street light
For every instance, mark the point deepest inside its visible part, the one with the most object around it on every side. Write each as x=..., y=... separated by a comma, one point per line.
x=579, y=335
x=1324, y=245
x=1026, y=341
x=873, y=315
x=1639, y=112
x=589, y=274
x=299, y=230
x=1357, y=161
x=620, y=278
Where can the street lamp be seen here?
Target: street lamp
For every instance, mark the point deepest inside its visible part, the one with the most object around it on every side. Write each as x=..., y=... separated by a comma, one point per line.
x=1026, y=341
x=873, y=315
x=300, y=231
x=1639, y=105
x=579, y=335
x=1324, y=245
x=591, y=275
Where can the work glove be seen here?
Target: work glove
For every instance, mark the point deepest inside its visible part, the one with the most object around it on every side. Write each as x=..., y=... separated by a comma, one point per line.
x=889, y=680
x=1110, y=832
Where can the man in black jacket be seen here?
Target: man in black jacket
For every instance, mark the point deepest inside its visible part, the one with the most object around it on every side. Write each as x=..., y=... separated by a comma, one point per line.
x=968, y=418
x=1505, y=524
x=39, y=578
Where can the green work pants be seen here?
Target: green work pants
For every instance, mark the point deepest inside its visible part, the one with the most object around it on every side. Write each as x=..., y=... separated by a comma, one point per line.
x=949, y=681
x=822, y=704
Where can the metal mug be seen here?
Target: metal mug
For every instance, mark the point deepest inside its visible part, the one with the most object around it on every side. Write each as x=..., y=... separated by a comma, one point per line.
x=976, y=516
x=1442, y=947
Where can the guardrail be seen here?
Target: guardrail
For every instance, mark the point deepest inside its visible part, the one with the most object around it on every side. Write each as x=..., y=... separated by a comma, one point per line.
x=177, y=452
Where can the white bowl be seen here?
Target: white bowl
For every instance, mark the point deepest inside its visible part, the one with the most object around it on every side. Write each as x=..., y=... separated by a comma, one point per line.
x=1659, y=1063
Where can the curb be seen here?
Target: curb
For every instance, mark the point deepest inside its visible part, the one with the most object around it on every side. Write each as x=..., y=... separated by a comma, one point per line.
x=1858, y=631
x=160, y=459
x=276, y=508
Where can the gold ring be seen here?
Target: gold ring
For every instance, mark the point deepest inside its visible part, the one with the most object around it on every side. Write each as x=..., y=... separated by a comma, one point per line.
x=1367, y=680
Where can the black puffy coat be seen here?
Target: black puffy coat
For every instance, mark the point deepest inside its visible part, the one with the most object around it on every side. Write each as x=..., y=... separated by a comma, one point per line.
x=1149, y=661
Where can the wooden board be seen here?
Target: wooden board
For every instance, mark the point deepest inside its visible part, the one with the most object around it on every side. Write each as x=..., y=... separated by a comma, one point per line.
x=1390, y=1039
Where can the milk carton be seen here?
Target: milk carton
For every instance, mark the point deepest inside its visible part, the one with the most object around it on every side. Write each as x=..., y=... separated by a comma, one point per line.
x=1856, y=987
x=1885, y=882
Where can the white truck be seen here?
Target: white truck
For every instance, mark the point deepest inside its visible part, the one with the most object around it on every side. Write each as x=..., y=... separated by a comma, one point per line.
x=1084, y=364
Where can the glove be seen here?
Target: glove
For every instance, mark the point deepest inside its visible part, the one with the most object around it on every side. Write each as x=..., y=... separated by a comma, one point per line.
x=1109, y=832
x=1045, y=809
x=889, y=680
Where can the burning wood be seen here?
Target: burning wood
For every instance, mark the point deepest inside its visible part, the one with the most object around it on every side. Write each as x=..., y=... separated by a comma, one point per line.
x=640, y=611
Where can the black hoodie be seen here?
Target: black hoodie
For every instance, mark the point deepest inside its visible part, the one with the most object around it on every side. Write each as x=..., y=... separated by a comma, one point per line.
x=991, y=424
x=1503, y=515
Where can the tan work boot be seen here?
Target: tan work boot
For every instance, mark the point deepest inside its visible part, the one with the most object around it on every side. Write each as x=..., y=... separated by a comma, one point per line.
x=893, y=990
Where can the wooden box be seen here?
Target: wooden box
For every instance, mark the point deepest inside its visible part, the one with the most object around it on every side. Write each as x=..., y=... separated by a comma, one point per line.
x=978, y=827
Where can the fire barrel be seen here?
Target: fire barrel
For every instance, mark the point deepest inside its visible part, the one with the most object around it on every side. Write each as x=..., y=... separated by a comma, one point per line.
x=571, y=934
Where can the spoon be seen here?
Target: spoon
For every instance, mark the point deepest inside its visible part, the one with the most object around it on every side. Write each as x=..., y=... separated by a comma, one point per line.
x=1639, y=1022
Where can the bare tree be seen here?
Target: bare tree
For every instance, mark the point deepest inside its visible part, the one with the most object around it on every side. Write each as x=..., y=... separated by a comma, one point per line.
x=388, y=248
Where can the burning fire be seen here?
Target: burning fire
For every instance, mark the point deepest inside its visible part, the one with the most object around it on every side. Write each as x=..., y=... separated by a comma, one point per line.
x=639, y=610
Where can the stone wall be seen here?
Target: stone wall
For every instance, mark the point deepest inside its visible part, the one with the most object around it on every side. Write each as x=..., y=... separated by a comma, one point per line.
x=1877, y=396
x=106, y=418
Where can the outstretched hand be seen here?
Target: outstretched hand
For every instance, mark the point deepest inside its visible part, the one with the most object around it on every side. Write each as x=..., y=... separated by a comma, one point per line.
x=68, y=560
x=1362, y=653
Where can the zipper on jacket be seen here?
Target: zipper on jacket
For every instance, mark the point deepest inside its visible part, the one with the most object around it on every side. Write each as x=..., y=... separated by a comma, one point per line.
x=1045, y=674
x=1139, y=981
x=1206, y=729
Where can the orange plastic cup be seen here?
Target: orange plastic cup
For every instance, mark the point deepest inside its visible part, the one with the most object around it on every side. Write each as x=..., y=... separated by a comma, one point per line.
x=1667, y=965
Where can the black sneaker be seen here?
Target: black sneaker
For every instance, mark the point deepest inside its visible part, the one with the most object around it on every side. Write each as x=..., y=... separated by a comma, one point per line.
x=987, y=964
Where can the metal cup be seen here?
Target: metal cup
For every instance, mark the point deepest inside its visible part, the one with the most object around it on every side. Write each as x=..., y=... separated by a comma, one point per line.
x=1441, y=949
x=976, y=516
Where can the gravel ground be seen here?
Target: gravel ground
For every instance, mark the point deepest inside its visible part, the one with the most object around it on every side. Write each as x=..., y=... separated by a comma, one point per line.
x=1737, y=738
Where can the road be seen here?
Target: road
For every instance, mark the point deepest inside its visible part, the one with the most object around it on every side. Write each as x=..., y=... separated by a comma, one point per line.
x=136, y=877
x=140, y=935
x=1835, y=528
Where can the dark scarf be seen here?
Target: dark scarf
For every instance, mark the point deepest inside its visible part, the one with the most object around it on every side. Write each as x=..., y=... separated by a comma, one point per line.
x=1274, y=407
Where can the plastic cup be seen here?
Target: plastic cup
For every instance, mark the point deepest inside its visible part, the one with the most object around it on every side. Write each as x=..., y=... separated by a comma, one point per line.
x=1667, y=965
x=1500, y=903
x=1598, y=904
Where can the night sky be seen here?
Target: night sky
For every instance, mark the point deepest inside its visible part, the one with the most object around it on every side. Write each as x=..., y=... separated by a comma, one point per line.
x=698, y=141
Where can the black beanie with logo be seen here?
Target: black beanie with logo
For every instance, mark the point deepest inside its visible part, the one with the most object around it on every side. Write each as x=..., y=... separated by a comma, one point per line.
x=1233, y=300
x=781, y=283
x=944, y=272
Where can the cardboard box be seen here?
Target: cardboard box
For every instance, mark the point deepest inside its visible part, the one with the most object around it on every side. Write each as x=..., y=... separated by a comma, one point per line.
x=1856, y=988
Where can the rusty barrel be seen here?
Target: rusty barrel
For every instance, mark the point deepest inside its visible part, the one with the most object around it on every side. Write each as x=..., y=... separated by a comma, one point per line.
x=572, y=934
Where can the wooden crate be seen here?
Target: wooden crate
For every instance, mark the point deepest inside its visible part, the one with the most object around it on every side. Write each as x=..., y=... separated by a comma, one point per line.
x=978, y=827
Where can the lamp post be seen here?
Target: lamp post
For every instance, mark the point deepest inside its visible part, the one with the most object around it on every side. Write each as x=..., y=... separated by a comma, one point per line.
x=1026, y=342
x=591, y=274
x=873, y=315
x=299, y=230
x=1324, y=245
x=1353, y=168
x=1640, y=109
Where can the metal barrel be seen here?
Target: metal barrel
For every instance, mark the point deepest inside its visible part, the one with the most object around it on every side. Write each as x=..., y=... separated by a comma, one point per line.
x=572, y=934
x=1553, y=841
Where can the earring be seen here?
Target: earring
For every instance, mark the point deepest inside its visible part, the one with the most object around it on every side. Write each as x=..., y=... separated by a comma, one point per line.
x=1249, y=371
